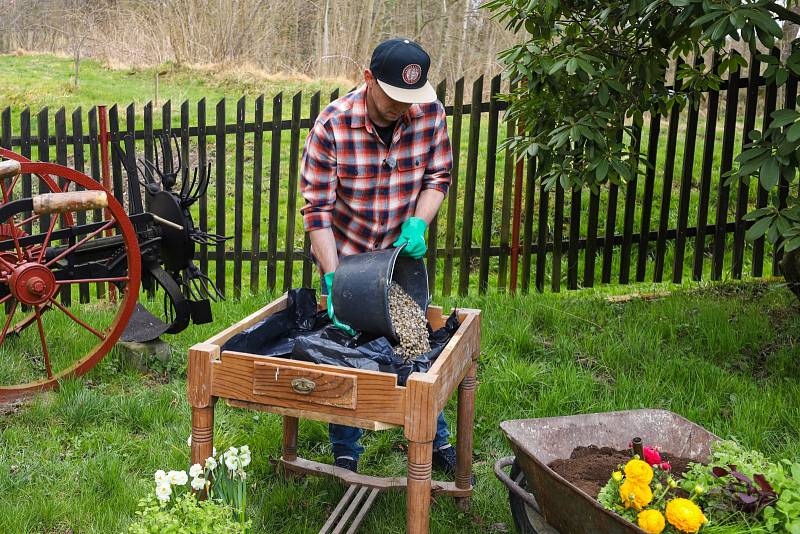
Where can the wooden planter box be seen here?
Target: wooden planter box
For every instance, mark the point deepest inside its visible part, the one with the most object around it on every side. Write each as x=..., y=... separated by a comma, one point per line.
x=355, y=397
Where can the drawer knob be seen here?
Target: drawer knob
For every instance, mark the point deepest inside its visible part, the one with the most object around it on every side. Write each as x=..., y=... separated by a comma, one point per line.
x=304, y=386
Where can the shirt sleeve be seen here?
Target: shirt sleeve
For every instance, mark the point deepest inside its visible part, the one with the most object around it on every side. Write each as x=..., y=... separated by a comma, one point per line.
x=437, y=173
x=318, y=179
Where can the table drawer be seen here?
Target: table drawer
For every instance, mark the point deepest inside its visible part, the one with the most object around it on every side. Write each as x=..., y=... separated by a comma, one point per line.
x=304, y=386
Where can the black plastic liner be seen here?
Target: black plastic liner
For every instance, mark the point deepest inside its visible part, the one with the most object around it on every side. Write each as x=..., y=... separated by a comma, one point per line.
x=300, y=332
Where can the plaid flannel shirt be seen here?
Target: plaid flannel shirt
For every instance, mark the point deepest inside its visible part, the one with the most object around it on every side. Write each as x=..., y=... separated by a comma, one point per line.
x=364, y=191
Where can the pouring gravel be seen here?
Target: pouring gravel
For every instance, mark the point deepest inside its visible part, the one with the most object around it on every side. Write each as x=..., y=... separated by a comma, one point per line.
x=409, y=321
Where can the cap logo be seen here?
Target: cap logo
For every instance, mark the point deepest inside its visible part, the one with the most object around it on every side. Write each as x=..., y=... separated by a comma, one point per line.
x=412, y=73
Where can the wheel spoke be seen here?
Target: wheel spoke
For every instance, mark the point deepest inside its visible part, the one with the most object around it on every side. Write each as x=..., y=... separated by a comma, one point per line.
x=29, y=220
x=16, y=239
x=69, y=250
x=8, y=321
x=47, y=239
x=72, y=316
x=45, y=352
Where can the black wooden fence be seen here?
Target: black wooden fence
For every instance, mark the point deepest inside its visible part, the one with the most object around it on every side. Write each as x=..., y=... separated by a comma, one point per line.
x=614, y=235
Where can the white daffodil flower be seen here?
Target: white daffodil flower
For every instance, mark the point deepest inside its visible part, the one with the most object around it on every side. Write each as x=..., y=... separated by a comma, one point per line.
x=198, y=483
x=163, y=491
x=211, y=463
x=244, y=460
x=189, y=441
x=160, y=476
x=178, y=478
x=196, y=470
x=231, y=461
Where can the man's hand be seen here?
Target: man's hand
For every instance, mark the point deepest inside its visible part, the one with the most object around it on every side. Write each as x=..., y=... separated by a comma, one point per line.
x=412, y=234
x=338, y=324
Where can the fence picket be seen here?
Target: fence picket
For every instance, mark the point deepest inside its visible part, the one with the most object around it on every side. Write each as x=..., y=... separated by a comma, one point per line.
x=790, y=101
x=274, y=191
x=79, y=165
x=433, y=229
x=505, y=210
x=574, y=236
x=258, y=159
x=61, y=159
x=743, y=192
x=528, y=215
x=558, y=233
x=307, y=259
x=219, y=154
x=630, y=206
x=202, y=163
x=647, y=196
x=452, y=193
x=238, y=199
x=291, y=202
x=488, y=190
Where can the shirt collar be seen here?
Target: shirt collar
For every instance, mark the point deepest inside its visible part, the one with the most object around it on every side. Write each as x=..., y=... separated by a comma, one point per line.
x=360, y=117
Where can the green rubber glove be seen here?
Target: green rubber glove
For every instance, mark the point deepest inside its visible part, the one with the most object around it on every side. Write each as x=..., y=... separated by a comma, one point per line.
x=412, y=233
x=338, y=324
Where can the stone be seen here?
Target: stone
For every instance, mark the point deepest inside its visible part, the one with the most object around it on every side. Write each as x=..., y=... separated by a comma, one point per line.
x=145, y=356
x=409, y=322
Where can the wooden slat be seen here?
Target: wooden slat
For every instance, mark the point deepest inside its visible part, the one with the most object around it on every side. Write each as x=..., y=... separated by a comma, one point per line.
x=712, y=109
x=630, y=207
x=135, y=204
x=274, y=192
x=355, y=504
x=488, y=190
x=647, y=196
x=95, y=174
x=362, y=513
x=455, y=360
x=686, y=189
x=5, y=128
x=307, y=259
x=291, y=202
x=558, y=233
x=790, y=101
x=541, y=241
x=220, y=194
x=258, y=160
x=25, y=150
x=116, y=165
x=277, y=381
x=726, y=162
x=79, y=159
x=527, y=241
x=238, y=199
x=743, y=191
x=202, y=163
x=610, y=232
x=275, y=306
x=343, y=502
x=452, y=200
x=590, y=256
x=574, y=236
x=469, y=187
x=61, y=159
x=433, y=228
x=42, y=131
x=770, y=97
x=666, y=186
x=505, y=210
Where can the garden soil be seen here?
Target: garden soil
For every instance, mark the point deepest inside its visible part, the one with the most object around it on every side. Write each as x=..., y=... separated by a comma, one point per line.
x=589, y=468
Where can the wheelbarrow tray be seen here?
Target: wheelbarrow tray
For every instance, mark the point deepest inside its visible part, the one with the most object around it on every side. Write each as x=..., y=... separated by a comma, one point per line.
x=537, y=442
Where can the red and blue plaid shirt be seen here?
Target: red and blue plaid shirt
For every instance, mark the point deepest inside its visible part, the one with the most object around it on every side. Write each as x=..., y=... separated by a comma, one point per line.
x=364, y=191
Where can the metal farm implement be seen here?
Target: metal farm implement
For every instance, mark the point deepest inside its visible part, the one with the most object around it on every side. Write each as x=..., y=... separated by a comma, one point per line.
x=50, y=254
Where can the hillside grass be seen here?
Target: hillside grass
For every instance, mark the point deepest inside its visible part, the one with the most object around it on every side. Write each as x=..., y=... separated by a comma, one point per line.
x=722, y=355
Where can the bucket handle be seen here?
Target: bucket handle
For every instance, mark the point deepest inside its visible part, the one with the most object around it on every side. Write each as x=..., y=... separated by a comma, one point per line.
x=512, y=486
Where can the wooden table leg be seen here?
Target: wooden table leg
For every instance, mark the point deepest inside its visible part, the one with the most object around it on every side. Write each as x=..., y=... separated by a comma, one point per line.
x=466, y=420
x=289, y=452
x=202, y=434
x=418, y=500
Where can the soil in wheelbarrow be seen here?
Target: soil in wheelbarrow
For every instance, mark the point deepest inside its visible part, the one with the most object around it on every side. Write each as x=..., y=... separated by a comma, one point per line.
x=589, y=468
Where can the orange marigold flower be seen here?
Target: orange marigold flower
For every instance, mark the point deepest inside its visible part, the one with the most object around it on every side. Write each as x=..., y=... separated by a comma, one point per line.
x=635, y=495
x=685, y=515
x=639, y=471
x=651, y=521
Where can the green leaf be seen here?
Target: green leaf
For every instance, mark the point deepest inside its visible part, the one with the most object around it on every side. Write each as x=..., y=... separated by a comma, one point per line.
x=792, y=244
x=602, y=170
x=758, y=229
x=770, y=173
x=781, y=76
x=783, y=117
x=793, y=133
x=602, y=94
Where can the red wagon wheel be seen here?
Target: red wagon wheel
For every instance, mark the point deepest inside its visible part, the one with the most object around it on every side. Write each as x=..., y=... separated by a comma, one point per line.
x=37, y=260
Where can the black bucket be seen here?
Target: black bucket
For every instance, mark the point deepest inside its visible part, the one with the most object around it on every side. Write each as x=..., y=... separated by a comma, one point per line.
x=361, y=288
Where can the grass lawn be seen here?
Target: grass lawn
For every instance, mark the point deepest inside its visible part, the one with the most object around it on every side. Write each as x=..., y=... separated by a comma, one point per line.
x=723, y=355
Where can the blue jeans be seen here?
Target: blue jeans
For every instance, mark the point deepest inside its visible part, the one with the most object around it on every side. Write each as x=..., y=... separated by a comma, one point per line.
x=345, y=438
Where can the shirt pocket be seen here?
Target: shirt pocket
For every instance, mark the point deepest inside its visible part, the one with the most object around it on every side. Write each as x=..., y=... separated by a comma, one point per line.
x=358, y=184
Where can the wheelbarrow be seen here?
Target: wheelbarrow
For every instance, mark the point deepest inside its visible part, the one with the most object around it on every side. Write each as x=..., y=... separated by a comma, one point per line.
x=543, y=502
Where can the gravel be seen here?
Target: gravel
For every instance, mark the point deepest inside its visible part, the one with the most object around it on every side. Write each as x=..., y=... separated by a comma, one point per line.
x=409, y=322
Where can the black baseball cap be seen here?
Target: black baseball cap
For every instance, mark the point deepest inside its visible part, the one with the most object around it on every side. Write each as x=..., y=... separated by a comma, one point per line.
x=401, y=68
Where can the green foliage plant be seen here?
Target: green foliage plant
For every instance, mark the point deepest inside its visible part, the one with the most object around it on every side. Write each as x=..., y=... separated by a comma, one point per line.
x=585, y=72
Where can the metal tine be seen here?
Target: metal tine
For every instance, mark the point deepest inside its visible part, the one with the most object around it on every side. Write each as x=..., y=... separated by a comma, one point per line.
x=207, y=178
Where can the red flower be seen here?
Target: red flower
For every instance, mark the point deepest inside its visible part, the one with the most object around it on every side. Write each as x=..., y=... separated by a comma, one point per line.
x=651, y=456
x=665, y=466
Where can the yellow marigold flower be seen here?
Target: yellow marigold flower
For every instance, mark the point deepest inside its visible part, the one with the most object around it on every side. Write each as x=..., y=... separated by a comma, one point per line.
x=639, y=471
x=685, y=515
x=651, y=521
x=635, y=495
x=617, y=476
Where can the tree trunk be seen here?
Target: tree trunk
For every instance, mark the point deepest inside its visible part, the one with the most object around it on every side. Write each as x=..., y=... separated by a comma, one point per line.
x=790, y=268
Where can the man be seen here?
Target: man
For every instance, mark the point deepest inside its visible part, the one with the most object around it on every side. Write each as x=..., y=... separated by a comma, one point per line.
x=376, y=167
